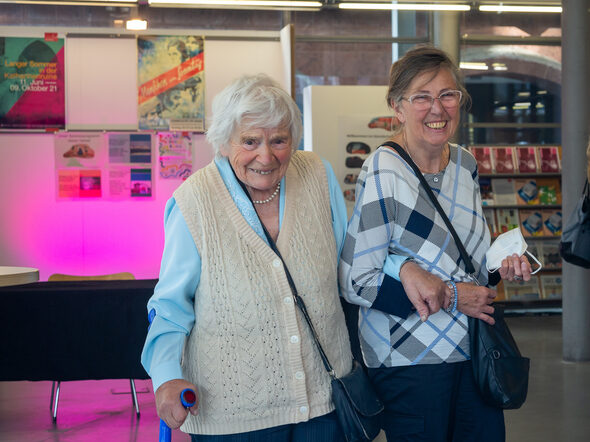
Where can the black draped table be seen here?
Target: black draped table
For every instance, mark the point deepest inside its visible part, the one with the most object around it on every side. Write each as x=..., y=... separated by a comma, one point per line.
x=74, y=330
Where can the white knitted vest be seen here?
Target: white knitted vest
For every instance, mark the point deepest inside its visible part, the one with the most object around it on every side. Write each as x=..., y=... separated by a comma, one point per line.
x=250, y=353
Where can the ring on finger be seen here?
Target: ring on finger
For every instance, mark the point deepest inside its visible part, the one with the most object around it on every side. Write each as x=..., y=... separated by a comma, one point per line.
x=517, y=278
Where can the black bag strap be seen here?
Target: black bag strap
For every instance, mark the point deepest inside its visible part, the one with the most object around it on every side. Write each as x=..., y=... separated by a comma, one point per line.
x=464, y=255
x=298, y=300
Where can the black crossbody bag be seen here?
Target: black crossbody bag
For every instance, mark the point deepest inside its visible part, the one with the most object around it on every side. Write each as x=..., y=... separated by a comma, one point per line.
x=357, y=406
x=574, y=246
x=500, y=371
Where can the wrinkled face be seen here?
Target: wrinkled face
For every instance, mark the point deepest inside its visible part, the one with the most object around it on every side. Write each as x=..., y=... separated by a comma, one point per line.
x=260, y=157
x=434, y=126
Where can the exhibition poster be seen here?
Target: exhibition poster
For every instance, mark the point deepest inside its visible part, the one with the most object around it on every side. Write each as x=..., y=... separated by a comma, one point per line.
x=130, y=165
x=97, y=165
x=175, y=155
x=171, y=83
x=79, y=158
x=32, y=82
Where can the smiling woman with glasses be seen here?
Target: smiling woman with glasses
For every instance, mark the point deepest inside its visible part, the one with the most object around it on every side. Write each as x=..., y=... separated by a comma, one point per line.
x=414, y=333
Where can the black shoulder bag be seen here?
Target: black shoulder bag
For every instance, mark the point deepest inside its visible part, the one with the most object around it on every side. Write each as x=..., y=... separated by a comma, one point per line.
x=357, y=406
x=574, y=246
x=500, y=371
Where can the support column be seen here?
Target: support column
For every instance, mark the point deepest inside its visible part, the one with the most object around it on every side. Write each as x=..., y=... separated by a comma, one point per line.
x=446, y=37
x=575, y=94
x=446, y=33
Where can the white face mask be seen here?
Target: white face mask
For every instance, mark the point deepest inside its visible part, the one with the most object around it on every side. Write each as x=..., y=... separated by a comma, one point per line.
x=505, y=245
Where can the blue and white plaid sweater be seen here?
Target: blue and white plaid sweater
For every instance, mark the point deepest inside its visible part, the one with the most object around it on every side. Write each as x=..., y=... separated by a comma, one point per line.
x=393, y=215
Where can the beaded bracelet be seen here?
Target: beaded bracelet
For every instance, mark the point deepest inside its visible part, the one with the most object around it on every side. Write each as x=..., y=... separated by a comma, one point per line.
x=452, y=308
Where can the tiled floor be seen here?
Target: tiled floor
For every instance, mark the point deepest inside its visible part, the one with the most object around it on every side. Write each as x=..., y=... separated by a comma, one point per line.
x=88, y=411
x=557, y=408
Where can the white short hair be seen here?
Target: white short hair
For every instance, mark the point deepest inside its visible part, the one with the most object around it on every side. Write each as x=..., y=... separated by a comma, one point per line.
x=252, y=101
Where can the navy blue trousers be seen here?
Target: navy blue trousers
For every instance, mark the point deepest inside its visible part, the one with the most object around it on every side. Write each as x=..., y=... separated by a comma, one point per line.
x=320, y=429
x=435, y=403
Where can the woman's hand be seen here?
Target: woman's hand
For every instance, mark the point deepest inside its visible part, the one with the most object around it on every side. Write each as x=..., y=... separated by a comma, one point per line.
x=427, y=292
x=515, y=268
x=168, y=404
x=474, y=301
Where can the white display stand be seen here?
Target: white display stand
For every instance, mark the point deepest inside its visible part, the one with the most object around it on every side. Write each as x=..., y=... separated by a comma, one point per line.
x=338, y=116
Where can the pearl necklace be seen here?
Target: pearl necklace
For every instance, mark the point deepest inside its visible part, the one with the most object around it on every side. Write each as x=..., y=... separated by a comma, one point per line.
x=270, y=198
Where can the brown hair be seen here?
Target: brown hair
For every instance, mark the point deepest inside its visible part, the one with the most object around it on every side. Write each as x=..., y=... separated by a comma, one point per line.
x=418, y=60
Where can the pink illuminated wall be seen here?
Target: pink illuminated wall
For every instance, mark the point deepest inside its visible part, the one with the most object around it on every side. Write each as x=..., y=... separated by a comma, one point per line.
x=82, y=237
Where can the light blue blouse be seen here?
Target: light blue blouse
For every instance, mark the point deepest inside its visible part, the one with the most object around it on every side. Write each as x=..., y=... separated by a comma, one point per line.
x=171, y=309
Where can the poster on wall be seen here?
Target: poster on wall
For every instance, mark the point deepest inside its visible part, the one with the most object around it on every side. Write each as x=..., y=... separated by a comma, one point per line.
x=95, y=165
x=130, y=165
x=175, y=155
x=171, y=83
x=359, y=135
x=32, y=82
x=79, y=158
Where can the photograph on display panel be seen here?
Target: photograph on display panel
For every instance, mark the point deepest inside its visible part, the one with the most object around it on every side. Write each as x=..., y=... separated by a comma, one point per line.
x=359, y=135
x=171, y=94
x=32, y=82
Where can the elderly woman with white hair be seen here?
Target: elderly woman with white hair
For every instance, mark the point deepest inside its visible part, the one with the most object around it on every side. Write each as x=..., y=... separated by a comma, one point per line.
x=223, y=320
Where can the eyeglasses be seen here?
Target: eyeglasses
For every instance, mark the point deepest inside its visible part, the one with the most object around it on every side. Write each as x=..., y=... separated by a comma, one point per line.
x=448, y=99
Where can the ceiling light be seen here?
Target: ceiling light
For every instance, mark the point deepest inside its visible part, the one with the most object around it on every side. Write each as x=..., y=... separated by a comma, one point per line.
x=475, y=65
x=406, y=6
x=136, y=24
x=254, y=4
x=519, y=8
x=121, y=3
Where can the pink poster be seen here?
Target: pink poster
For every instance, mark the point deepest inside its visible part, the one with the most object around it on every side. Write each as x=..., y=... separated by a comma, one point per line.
x=32, y=83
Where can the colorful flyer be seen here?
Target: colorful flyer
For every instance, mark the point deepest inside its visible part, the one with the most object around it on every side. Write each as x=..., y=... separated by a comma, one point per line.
x=83, y=183
x=171, y=83
x=129, y=182
x=79, y=150
x=175, y=155
x=32, y=83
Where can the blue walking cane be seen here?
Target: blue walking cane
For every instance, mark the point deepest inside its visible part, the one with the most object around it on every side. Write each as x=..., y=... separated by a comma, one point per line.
x=188, y=398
